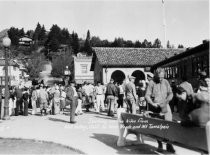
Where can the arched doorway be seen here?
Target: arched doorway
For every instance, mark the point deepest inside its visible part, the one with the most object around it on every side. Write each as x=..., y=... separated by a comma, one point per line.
x=118, y=76
x=139, y=76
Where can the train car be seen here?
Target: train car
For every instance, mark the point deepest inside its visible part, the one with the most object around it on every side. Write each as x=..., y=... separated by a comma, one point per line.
x=187, y=64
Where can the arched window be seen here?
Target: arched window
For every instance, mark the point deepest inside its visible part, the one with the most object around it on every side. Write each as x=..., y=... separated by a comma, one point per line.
x=118, y=76
x=139, y=76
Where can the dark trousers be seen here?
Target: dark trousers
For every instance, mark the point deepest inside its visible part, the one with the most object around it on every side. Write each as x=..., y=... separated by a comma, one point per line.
x=120, y=100
x=25, y=113
x=19, y=106
x=157, y=111
x=88, y=102
x=110, y=100
x=73, y=106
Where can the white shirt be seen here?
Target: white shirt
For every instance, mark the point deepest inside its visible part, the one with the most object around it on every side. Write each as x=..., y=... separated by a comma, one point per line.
x=75, y=92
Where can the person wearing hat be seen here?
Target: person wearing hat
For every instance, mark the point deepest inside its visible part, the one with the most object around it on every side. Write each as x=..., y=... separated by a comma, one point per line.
x=110, y=94
x=130, y=93
x=71, y=97
x=149, y=76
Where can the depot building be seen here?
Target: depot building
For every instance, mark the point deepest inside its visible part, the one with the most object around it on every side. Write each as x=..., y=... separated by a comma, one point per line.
x=120, y=63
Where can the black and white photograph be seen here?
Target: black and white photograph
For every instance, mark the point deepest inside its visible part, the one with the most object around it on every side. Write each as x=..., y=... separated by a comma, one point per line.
x=104, y=77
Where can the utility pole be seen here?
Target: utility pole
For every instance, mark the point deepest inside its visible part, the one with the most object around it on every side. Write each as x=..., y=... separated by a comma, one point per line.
x=164, y=24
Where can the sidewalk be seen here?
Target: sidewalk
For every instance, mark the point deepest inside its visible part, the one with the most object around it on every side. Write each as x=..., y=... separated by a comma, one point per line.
x=92, y=134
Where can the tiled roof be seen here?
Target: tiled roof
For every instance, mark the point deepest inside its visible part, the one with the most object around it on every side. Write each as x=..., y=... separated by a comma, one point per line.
x=192, y=51
x=132, y=56
x=11, y=62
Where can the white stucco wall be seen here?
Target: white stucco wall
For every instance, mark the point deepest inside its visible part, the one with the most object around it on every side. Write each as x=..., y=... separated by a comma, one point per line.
x=79, y=76
x=14, y=73
x=127, y=71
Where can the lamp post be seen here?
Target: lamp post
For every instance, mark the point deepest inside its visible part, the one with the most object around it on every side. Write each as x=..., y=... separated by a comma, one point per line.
x=67, y=73
x=6, y=44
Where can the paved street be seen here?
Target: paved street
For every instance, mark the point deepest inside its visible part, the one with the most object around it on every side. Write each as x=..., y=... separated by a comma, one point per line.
x=92, y=134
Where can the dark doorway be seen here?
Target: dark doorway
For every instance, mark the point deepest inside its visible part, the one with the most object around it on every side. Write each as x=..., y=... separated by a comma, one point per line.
x=139, y=76
x=118, y=76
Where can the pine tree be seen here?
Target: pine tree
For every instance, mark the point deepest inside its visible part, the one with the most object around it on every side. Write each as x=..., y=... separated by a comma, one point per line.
x=144, y=44
x=137, y=44
x=42, y=35
x=54, y=44
x=13, y=34
x=157, y=43
x=168, y=44
x=75, y=43
x=87, y=45
x=65, y=37
x=37, y=33
x=21, y=33
x=54, y=37
x=30, y=33
x=118, y=42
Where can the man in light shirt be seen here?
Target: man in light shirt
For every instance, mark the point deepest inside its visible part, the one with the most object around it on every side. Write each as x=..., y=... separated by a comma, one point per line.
x=99, y=97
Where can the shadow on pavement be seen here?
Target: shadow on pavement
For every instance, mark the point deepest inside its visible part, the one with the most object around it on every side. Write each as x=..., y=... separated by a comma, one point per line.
x=57, y=120
x=106, y=117
x=111, y=141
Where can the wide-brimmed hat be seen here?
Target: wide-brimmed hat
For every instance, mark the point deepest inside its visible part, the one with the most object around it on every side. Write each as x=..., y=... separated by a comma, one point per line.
x=132, y=77
x=150, y=75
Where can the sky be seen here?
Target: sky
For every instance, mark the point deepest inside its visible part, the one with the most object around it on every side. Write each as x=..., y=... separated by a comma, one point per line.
x=187, y=21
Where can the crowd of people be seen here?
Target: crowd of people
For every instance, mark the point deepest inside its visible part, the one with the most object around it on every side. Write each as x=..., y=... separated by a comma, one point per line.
x=156, y=95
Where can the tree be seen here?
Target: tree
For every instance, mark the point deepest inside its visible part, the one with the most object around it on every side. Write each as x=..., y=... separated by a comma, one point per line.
x=54, y=37
x=87, y=45
x=54, y=44
x=96, y=42
x=42, y=35
x=149, y=45
x=75, y=43
x=129, y=43
x=59, y=64
x=157, y=43
x=37, y=33
x=30, y=33
x=144, y=43
x=118, y=42
x=15, y=34
x=21, y=33
x=168, y=44
x=105, y=43
x=35, y=65
x=137, y=44
x=180, y=46
x=65, y=37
